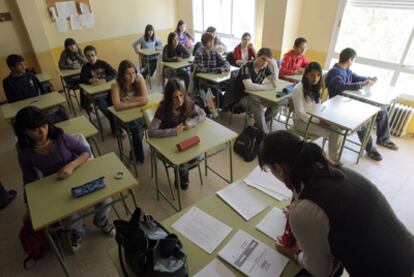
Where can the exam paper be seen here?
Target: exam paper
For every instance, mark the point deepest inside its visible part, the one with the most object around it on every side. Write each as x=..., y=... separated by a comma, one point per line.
x=87, y=20
x=273, y=224
x=268, y=181
x=202, y=229
x=242, y=200
x=269, y=192
x=252, y=257
x=215, y=268
x=66, y=9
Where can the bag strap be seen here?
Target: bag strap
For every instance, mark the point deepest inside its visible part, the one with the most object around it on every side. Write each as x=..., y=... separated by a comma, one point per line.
x=121, y=260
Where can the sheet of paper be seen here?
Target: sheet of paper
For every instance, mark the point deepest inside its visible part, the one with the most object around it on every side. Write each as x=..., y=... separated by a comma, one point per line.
x=84, y=8
x=87, y=20
x=52, y=12
x=215, y=268
x=242, y=200
x=269, y=192
x=273, y=224
x=75, y=23
x=252, y=257
x=66, y=9
x=61, y=24
x=202, y=229
x=267, y=180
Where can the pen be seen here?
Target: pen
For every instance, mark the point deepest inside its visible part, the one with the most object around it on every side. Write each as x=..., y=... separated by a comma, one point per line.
x=323, y=108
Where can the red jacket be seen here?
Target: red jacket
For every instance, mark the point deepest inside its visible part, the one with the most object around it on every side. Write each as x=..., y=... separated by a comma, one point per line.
x=290, y=63
x=237, y=54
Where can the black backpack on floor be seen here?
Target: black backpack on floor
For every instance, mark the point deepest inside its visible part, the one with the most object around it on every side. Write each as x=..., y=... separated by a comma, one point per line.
x=148, y=248
x=248, y=142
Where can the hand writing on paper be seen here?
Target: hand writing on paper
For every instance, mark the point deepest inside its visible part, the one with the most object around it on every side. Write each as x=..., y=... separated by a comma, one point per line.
x=65, y=172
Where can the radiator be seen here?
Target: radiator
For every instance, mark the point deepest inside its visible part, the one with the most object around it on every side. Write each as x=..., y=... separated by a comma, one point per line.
x=399, y=117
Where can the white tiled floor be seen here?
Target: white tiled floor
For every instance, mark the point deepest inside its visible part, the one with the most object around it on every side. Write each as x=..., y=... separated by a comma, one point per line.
x=394, y=176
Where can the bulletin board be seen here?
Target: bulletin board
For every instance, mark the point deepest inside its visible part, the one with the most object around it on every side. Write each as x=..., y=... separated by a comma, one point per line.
x=52, y=3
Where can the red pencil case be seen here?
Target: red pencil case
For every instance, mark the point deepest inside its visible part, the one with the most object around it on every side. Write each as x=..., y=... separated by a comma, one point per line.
x=188, y=143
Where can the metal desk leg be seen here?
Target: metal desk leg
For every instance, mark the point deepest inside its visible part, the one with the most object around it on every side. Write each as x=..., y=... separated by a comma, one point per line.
x=231, y=162
x=205, y=162
x=366, y=137
x=149, y=71
x=131, y=145
x=177, y=175
x=58, y=252
x=98, y=120
x=67, y=96
x=156, y=174
x=342, y=146
x=307, y=128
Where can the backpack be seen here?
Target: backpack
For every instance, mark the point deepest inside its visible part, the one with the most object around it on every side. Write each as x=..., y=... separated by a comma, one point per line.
x=149, y=249
x=34, y=242
x=248, y=142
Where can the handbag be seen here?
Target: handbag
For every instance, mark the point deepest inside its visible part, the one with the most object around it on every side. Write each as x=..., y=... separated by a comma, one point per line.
x=149, y=249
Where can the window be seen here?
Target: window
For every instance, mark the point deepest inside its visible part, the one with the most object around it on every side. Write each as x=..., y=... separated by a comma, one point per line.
x=231, y=18
x=381, y=31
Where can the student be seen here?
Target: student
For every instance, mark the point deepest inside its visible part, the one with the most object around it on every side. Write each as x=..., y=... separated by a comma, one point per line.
x=6, y=196
x=244, y=51
x=148, y=40
x=22, y=84
x=96, y=72
x=220, y=46
x=184, y=37
x=43, y=147
x=208, y=60
x=174, y=51
x=130, y=91
x=294, y=61
x=337, y=216
x=71, y=57
x=305, y=95
x=340, y=78
x=175, y=114
x=251, y=77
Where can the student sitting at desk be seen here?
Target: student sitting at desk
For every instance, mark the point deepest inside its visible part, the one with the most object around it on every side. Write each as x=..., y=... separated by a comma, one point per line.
x=340, y=78
x=130, y=91
x=43, y=147
x=244, y=51
x=305, y=95
x=218, y=44
x=21, y=84
x=338, y=217
x=251, y=77
x=175, y=114
x=184, y=37
x=96, y=72
x=208, y=60
x=148, y=40
x=174, y=51
x=294, y=61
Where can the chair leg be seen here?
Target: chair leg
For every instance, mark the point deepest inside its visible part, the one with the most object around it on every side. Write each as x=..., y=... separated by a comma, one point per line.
x=200, y=174
x=169, y=180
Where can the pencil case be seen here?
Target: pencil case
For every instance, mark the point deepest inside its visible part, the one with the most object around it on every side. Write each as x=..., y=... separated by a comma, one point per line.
x=185, y=144
x=88, y=187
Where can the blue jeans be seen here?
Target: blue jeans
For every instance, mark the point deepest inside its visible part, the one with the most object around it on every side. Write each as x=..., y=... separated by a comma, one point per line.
x=383, y=131
x=100, y=219
x=102, y=101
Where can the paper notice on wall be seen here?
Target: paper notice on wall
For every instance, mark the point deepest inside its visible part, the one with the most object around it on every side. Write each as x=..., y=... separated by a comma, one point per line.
x=66, y=9
x=84, y=8
x=75, y=23
x=61, y=24
x=87, y=20
x=52, y=12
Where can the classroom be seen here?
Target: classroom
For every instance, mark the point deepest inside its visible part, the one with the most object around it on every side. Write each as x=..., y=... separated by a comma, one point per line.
x=269, y=137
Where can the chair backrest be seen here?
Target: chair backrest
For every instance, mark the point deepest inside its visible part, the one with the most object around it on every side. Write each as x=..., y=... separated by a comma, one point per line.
x=81, y=138
x=149, y=116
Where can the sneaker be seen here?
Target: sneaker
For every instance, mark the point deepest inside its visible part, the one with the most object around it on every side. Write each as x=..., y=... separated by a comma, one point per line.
x=107, y=228
x=375, y=155
x=75, y=243
x=389, y=144
x=184, y=185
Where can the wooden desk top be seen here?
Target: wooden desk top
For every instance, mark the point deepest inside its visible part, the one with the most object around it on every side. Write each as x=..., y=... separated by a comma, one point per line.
x=97, y=89
x=217, y=78
x=181, y=64
x=43, y=102
x=132, y=114
x=211, y=133
x=214, y=206
x=78, y=124
x=50, y=200
x=69, y=72
x=43, y=77
x=375, y=95
x=344, y=112
x=270, y=95
x=149, y=51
